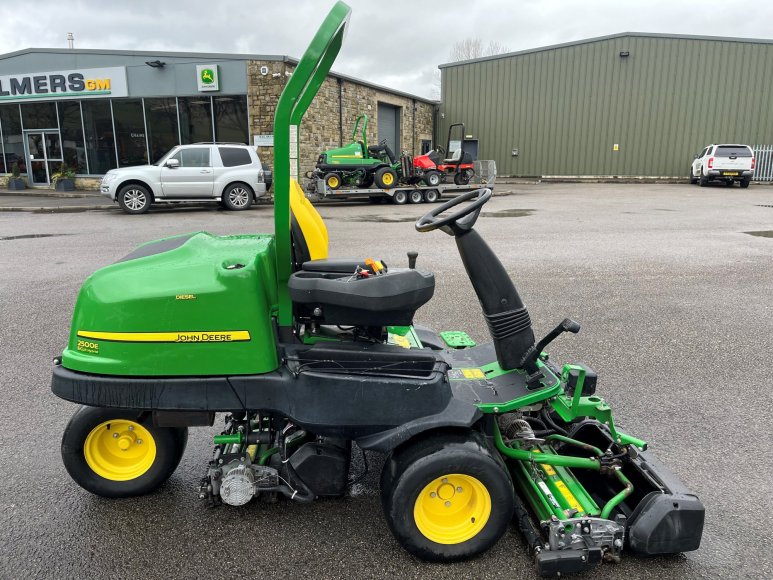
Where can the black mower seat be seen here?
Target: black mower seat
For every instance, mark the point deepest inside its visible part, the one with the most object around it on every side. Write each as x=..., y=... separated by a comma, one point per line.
x=391, y=298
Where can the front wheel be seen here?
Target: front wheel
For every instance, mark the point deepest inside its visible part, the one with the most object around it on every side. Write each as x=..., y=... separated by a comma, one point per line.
x=446, y=497
x=385, y=178
x=237, y=197
x=693, y=179
x=333, y=181
x=432, y=178
x=134, y=199
x=118, y=452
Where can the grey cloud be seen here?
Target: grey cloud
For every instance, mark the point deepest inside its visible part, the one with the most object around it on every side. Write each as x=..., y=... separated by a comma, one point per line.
x=397, y=44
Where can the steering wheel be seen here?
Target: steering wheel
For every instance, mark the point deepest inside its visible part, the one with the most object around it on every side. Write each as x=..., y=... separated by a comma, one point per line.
x=459, y=221
x=440, y=149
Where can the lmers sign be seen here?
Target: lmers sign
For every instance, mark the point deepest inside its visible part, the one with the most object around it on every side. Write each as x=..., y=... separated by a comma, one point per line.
x=68, y=84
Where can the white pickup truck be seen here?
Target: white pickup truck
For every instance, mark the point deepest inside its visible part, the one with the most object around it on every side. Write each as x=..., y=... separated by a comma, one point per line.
x=728, y=163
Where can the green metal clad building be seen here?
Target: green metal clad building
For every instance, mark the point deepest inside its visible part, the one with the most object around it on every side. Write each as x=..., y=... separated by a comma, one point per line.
x=630, y=104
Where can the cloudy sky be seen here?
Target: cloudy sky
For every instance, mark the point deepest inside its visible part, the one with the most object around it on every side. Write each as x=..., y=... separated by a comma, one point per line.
x=397, y=43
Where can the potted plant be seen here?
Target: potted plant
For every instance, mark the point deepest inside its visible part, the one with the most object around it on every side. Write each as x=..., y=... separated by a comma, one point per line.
x=63, y=179
x=15, y=182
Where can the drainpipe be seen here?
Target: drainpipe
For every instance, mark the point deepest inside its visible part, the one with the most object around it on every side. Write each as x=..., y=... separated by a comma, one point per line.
x=340, y=112
x=413, y=144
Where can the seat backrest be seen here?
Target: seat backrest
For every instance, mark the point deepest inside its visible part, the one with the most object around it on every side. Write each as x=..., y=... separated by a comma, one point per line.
x=307, y=229
x=456, y=155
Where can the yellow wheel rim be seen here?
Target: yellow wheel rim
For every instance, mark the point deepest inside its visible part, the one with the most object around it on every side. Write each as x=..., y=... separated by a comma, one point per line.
x=388, y=179
x=119, y=450
x=452, y=508
x=332, y=182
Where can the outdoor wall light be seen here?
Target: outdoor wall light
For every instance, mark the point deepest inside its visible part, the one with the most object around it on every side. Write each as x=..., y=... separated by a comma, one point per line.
x=624, y=54
x=155, y=63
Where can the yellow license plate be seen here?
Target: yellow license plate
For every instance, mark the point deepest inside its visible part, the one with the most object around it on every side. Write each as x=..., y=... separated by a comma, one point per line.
x=730, y=173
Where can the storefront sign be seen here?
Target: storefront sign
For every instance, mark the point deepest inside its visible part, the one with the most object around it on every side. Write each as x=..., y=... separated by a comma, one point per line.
x=207, y=77
x=68, y=84
x=263, y=140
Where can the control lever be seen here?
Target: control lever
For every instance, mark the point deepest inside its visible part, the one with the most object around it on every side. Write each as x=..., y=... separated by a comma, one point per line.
x=567, y=325
x=412, y=255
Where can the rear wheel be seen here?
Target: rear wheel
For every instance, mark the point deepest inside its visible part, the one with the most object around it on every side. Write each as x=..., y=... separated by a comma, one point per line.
x=431, y=195
x=332, y=181
x=446, y=497
x=745, y=183
x=704, y=179
x=134, y=199
x=237, y=197
x=463, y=177
x=385, y=178
x=416, y=196
x=693, y=179
x=400, y=197
x=118, y=452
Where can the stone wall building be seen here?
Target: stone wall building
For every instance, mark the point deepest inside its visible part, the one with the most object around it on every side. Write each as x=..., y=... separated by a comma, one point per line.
x=95, y=110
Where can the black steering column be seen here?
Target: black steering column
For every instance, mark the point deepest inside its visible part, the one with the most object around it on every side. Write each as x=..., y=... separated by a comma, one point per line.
x=506, y=316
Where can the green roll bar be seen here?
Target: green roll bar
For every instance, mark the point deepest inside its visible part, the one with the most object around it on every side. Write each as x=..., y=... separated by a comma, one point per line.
x=295, y=99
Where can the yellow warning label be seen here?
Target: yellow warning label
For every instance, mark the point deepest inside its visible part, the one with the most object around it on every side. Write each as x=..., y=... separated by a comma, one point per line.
x=549, y=471
x=473, y=374
x=569, y=496
x=398, y=340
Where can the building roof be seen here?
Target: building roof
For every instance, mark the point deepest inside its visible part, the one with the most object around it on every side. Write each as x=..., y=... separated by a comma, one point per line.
x=207, y=56
x=609, y=37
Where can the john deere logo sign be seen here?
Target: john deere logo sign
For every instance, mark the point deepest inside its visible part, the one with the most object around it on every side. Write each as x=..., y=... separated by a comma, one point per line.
x=66, y=84
x=207, y=77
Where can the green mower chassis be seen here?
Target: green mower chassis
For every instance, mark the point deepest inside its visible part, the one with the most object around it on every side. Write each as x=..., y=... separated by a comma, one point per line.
x=305, y=357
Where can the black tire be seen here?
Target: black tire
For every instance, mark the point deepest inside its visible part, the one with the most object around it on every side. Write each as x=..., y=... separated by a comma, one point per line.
x=431, y=196
x=238, y=197
x=400, y=197
x=693, y=179
x=333, y=181
x=134, y=199
x=745, y=183
x=462, y=178
x=410, y=470
x=385, y=178
x=415, y=196
x=169, y=443
x=704, y=179
x=432, y=178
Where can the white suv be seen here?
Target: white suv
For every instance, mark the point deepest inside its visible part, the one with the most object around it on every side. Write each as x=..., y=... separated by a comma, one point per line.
x=229, y=173
x=726, y=163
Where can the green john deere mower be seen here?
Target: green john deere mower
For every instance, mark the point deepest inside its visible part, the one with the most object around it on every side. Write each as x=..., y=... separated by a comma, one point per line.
x=359, y=164
x=322, y=352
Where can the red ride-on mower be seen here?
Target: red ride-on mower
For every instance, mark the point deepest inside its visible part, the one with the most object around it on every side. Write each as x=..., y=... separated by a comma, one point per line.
x=434, y=168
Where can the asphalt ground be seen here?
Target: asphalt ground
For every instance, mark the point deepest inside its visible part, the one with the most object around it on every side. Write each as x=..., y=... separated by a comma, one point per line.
x=676, y=303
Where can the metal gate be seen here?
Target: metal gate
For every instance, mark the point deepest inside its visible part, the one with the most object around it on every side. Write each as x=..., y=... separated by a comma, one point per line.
x=763, y=169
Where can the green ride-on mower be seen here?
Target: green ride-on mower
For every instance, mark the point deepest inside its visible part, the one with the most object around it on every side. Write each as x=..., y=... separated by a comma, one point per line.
x=358, y=164
x=322, y=352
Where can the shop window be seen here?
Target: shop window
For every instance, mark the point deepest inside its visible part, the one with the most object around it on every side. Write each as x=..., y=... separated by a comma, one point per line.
x=100, y=146
x=195, y=119
x=161, y=117
x=71, y=131
x=231, y=119
x=39, y=116
x=130, y=132
x=13, y=143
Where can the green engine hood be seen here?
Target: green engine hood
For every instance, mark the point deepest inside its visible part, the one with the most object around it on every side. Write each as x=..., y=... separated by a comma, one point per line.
x=196, y=304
